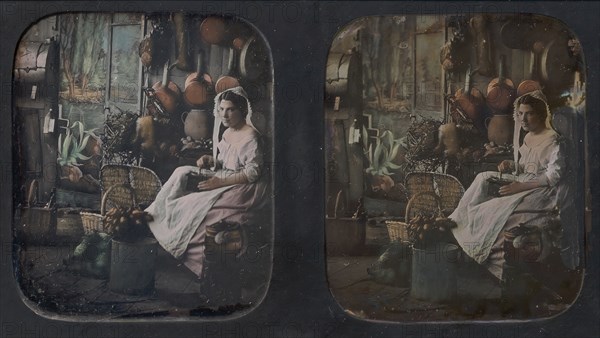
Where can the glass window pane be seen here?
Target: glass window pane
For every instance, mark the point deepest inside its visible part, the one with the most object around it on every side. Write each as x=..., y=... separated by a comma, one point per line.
x=124, y=71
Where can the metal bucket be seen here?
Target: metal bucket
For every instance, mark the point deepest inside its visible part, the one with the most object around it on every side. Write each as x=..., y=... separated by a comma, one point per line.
x=132, y=266
x=434, y=272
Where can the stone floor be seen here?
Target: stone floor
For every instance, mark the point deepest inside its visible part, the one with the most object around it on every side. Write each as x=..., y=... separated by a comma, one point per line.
x=478, y=293
x=52, y=288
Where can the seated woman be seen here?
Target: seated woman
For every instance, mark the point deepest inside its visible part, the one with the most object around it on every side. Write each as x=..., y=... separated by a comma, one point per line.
x=481, y=219
x=234, y=193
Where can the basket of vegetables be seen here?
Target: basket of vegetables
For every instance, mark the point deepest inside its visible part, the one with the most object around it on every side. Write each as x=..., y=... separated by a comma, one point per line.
x=424, y=230
x=124, y=219
x=127, y=224
x=116, y=195
x=425, y=223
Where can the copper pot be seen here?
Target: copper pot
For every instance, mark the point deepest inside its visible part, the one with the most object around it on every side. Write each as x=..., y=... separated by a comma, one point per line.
x=500, y=91
x=198, y=86
x=470, y=99
x=167, y=92
x=212, y=30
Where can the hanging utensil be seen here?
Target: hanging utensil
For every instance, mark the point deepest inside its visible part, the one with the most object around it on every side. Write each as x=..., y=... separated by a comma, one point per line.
x=212, y=30
x=181, y=41
x=469, y=98
x=230, y=80
x=198, y=86
x=516, y=33
x=483, y=43
x=254, y=59
x=531, y=84
x=557, y=65
x=216, y=30
x=153, y=49
x=167, y=92
x=500, y=91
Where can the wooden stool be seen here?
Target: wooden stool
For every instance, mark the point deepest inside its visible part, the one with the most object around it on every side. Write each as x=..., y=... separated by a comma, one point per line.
x=236, y=256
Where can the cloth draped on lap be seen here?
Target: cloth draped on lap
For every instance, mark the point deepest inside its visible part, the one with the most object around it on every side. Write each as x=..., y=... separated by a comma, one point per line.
x=481, y=218
x=177, y=213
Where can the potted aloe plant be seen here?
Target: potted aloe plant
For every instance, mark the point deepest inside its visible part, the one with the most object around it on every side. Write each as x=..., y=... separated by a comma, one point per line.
x=77, y=150
x=71, y=151
x=384, y=196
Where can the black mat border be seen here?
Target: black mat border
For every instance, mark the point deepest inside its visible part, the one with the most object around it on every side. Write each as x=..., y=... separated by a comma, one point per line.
x=298, y=302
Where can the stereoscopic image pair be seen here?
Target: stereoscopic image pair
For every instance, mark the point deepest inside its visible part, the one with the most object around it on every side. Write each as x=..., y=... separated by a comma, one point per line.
x=453, y=145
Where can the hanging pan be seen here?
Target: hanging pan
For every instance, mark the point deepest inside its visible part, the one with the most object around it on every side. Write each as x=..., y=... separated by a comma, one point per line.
x=198, y=86
x=557, y=65
x=254, y=59
x=501, y=90
x=231, y=78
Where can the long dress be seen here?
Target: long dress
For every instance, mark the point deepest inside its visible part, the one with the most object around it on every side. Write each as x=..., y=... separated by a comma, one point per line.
x=180, y=217
x=480, y=218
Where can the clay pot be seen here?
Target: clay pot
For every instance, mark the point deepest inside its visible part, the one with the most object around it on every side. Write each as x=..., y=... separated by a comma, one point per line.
x=71, y=172
x=500, y=129
x=197, y=124
x=382, y=183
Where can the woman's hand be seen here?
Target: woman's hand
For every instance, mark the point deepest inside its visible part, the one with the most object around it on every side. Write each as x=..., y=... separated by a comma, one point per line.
x=211, y=183
x=506, y=166
x=205, y=161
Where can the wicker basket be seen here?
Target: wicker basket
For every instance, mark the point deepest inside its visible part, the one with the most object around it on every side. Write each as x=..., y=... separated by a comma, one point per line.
x=344, y=235
x=117, y=195
x=445, y=186
x=92, y=222
x=425, y=203
x=112, y=174
x=397, y=231
x=144, y=181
